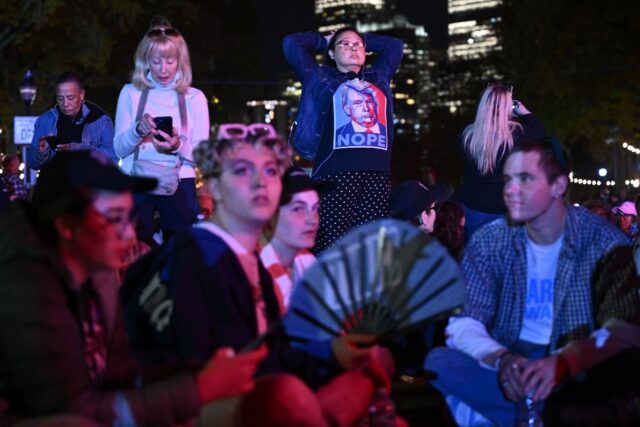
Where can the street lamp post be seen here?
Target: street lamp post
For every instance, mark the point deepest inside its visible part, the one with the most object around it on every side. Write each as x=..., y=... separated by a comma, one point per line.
x=28, y=91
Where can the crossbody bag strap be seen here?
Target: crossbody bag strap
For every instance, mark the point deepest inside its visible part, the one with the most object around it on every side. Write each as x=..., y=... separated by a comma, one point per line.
x=141, y=104
x=182, y=106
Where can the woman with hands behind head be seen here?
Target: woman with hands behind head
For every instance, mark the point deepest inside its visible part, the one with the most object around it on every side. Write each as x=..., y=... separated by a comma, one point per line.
x=345, y=123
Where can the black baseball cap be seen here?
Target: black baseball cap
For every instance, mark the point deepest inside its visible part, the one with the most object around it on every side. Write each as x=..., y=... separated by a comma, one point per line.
x=295, y=180
x=71, y=172
x=410, y=198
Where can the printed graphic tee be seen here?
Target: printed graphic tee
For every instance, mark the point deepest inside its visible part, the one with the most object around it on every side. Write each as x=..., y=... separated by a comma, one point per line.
x=357, y=139
x=542, y=261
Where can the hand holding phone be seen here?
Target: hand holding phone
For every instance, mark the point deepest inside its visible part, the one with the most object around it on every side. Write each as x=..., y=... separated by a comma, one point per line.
x=227, y=374
x=53, y=141
x=165, y=124
x=257, y=342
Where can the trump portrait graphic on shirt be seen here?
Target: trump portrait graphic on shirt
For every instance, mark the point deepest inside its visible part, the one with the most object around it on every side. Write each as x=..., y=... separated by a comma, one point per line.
x=359, y=116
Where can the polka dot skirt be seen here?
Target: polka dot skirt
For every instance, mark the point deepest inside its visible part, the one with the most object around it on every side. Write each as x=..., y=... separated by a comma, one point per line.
x=355, y=199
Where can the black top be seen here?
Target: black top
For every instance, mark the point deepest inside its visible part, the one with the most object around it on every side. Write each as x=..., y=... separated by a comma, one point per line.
x=70, y=129
x=484, y=192
x=342, y=148
x=213, y=306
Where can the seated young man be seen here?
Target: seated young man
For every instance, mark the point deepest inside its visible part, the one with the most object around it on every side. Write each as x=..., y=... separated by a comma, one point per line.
x=552, y=293
x=222, y=295
x=288, y=256
x=62, y=341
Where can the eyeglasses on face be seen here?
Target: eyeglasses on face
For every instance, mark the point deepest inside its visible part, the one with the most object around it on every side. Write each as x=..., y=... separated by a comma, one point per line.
x=434, y=207
x=172, y=32
x=118, y=220
x=347, y=45
x=242, y=131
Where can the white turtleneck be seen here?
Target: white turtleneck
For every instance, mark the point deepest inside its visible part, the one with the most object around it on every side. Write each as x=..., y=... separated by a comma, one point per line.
x=162, y=101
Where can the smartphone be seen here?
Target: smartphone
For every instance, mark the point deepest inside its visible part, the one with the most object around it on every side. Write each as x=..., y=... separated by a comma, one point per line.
x=53, y=141
x=254, y=344
x=260, y=339
x=165, y=124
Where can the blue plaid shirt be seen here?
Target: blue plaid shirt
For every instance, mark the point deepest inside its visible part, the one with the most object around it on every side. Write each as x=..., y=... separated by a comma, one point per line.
x=495, y=268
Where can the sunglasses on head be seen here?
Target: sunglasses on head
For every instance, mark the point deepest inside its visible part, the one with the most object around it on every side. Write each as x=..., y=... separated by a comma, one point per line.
x=163, y=32
x=242, y=131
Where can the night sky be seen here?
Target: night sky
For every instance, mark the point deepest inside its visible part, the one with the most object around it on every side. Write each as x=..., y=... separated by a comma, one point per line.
x=280, y=18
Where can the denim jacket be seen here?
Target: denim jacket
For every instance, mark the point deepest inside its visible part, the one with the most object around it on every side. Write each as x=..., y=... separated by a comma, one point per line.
x=97, y=134
x=319, y=83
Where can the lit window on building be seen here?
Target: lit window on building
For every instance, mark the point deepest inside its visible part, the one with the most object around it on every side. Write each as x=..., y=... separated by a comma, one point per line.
x=456, y=6
x=322, y=5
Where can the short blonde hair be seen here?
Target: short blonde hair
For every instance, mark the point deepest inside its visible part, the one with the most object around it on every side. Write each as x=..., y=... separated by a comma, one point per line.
x=165, y=42
x=210, y=155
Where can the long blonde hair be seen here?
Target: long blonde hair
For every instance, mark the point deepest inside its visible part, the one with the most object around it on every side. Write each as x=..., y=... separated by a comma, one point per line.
x=490, y=137
x=165, y=42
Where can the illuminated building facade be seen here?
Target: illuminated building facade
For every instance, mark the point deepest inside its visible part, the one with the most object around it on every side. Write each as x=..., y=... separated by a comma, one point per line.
x=473, y=39
x=412, y=83
x=472, y=28
x=334, y=14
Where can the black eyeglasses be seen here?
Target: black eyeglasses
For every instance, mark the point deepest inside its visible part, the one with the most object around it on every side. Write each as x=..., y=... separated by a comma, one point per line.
x=347, y=45
x=119, y=220
x=435, y=207
x=163, y=32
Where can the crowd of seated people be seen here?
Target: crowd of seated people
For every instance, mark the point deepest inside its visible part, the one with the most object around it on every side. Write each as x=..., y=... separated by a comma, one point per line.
x=152, y=292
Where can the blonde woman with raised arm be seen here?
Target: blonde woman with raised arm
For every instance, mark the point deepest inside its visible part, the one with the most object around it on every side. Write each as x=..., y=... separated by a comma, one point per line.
x=501, y=122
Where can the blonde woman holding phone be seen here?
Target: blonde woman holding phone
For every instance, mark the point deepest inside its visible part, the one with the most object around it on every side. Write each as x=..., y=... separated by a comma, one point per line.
x=160, y=118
